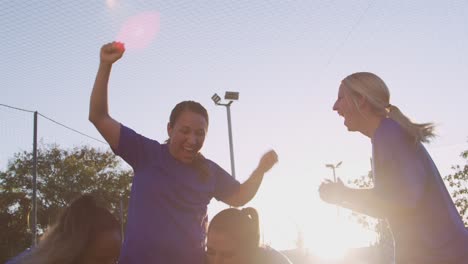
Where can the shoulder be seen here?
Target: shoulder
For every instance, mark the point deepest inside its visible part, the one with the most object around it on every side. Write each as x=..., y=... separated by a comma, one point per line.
x=390, y=133
x=213, y=166
x=268, y=255
x=131, y=132
x=388, y=128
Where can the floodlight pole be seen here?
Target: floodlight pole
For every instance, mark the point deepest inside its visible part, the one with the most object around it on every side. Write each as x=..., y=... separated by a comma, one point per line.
x=334, y=167
x=216, y=100
x=34, y=185
x=231, y=144
x=334, y=175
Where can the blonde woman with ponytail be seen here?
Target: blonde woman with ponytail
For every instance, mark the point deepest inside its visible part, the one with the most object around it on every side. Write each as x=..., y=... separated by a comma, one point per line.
x=234, y=238
x=408, y=190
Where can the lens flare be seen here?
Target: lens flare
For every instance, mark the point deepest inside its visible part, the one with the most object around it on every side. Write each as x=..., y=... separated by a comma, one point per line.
x=111, y=4
x=139, y=31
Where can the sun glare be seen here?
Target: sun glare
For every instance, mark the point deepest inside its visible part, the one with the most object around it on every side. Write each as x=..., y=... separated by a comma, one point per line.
x=139, y=31
x=326, y=232
x=337, y=237
x=111, y=4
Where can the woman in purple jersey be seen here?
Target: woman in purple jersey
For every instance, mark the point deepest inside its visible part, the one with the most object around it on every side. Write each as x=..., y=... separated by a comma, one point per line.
x=173, y=182
x=408, y=190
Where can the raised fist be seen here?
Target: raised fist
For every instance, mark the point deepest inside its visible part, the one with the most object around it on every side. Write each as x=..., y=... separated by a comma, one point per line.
x=111, y=52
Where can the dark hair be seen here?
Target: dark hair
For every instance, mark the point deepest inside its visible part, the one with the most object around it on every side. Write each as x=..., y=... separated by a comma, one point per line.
x=242, y=225
x=85, y=215
x=77, y=228
x=199, y=163
x=191, y=106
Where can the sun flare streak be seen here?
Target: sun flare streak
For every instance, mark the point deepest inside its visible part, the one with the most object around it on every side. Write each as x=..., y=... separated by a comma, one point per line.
x=139, y=31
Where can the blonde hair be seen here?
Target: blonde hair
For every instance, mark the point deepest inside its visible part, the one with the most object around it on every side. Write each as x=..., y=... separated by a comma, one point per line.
x=67, y=240
x=374, y=89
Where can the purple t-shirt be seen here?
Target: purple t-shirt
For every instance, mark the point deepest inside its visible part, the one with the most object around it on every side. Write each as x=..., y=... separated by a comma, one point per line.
x=411, y=195
x=167, y=214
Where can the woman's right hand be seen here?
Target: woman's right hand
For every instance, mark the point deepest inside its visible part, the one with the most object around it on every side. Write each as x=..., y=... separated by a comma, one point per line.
x=332, y=192
x=111, y=52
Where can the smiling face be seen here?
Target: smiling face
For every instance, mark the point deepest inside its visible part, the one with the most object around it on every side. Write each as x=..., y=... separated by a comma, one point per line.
x=186, y=136
x=347, y=107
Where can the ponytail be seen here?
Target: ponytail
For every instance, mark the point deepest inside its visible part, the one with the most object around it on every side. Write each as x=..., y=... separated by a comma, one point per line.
x=423, y=132
x=252, y=214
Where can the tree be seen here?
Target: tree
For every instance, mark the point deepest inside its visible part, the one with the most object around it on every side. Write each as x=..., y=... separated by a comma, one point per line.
x=458, y=182
x=62, y=175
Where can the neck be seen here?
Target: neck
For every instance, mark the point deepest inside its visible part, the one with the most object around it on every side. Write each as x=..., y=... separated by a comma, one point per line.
x=372, y=123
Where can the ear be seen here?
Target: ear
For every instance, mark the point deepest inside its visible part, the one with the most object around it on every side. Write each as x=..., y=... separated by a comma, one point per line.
x=362, y=101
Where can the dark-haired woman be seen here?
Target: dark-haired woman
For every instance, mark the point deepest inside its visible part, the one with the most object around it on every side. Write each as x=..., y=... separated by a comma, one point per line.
x=234, y=238
x=173, y=182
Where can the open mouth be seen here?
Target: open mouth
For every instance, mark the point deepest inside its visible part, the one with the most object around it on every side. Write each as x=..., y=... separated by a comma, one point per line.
x=190, y=150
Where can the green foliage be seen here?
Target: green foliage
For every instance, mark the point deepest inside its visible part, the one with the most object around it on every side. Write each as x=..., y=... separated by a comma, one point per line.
x=62, y=175
x=458, y=184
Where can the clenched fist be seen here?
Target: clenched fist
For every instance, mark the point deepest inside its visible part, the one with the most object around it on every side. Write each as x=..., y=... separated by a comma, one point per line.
x=111, y=52
x=267, y=161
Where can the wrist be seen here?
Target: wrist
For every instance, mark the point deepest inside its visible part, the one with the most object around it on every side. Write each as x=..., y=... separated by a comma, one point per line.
x=259, y=170
x=258, y=173
x=105, y=64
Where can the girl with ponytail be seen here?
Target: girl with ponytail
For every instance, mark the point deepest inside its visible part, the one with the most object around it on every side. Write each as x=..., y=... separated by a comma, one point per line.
x=408, y=190
x=234, y=238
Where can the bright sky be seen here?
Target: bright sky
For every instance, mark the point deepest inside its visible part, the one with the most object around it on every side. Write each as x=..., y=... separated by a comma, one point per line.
x=285, y=58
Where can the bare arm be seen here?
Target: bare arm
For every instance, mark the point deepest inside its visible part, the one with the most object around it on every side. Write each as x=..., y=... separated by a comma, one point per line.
x=249, y=188
x=362, y=201
x=98, y=108
x=359, y=200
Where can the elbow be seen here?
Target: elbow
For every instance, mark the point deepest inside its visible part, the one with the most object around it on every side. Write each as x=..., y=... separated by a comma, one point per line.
x=96, y=118
x=93, y=119
x=92, y=115
x=239, y=203
x=237, y=200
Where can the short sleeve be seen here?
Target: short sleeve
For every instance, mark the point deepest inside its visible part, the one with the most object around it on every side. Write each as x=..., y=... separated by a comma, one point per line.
x=133, y=147
x=225, y=184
